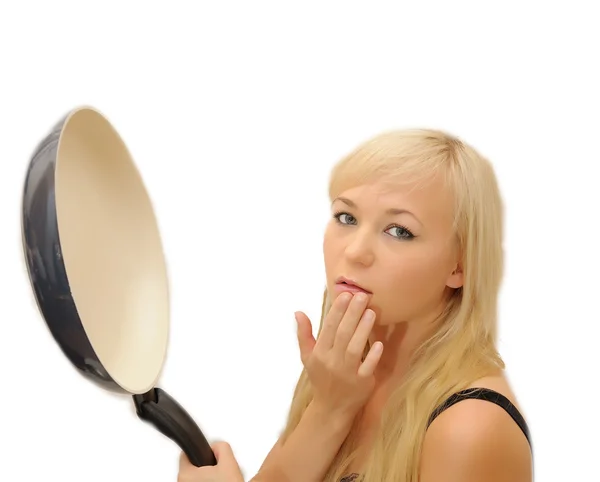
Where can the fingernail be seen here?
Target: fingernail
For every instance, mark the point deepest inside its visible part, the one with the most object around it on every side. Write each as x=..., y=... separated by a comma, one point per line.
x=345, y=297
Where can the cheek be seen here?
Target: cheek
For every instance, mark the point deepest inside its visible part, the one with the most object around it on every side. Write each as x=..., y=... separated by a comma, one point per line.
x=411, y=283
x=330, y=251
x=408, y=276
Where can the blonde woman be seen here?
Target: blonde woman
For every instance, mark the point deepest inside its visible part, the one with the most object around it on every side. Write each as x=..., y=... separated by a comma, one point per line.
x=404, y=382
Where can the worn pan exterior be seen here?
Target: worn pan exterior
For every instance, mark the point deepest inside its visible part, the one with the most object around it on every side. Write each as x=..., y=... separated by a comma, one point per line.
x=44, y=260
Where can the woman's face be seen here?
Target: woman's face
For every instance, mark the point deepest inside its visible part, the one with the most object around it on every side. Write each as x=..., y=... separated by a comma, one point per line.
x=397, y=244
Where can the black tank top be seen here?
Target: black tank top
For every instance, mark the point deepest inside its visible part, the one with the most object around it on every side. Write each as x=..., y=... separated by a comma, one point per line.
x=472, y=393
x=489, y=396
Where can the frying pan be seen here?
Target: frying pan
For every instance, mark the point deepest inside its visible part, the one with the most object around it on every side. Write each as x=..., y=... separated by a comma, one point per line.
x=96, y=266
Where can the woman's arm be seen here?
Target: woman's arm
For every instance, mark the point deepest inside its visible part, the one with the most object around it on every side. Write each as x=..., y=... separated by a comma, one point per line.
x=342, y=382
x=309, y=451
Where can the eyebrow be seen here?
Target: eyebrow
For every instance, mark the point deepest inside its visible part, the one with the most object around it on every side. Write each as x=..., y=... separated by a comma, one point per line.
x=392, y=211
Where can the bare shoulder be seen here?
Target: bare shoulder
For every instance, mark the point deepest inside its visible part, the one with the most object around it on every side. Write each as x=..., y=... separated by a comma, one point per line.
x=476, y=440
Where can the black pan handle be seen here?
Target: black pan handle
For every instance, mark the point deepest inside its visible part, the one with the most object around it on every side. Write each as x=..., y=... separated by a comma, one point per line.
x=159, y=409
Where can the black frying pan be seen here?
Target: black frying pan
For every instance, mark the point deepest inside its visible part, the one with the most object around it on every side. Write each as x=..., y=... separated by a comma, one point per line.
x=96, y=266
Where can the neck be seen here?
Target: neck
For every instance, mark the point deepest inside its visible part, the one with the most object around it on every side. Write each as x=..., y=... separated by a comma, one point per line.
x=400, y=341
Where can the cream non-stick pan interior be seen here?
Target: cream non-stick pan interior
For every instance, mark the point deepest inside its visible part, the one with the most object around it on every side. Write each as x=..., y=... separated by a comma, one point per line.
x=112, y=251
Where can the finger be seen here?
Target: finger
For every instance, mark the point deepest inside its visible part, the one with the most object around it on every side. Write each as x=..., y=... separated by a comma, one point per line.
x=187, y=471
x=350, y=321
x=306, y=340
x=226, y=459
x=367, y=367
x=183, y=461
x=332, y=320
x=222, y=451
x=356, y=346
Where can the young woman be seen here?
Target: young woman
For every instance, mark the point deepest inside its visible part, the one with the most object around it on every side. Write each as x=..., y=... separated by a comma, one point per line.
x=404, y=382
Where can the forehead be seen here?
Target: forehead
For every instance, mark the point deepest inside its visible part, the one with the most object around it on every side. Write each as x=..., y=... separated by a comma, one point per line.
x=431, y=201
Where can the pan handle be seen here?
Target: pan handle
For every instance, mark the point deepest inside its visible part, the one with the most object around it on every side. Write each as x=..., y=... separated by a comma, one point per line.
x=159, y=409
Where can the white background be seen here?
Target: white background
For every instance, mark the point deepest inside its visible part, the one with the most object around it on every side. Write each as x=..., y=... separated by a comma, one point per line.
x=235, y=115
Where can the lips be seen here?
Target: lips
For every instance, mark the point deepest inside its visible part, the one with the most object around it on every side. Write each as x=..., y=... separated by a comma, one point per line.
x=347, y=284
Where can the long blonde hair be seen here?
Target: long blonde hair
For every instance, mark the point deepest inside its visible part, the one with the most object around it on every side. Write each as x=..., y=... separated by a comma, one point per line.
x=463, y=349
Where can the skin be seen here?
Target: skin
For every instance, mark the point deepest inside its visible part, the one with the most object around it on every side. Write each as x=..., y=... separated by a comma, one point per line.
x=475, y=440
x=409, y=262
x=226, y=470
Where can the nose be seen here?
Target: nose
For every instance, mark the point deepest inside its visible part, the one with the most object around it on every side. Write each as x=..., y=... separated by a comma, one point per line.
x=360, y=249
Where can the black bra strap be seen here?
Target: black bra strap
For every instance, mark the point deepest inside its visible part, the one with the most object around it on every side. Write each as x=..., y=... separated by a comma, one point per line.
x=489, y=396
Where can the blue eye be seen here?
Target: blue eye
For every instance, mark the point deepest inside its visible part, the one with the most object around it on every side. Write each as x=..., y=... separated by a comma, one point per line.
x=402, y=232
x=396, y=231
x=344, y=218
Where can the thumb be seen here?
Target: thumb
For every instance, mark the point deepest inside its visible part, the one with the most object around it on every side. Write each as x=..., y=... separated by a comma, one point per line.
x=306, y=340
x=223, y=452
x=227, y=462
